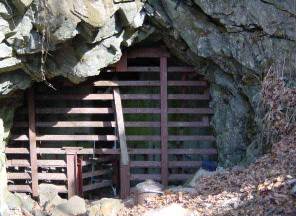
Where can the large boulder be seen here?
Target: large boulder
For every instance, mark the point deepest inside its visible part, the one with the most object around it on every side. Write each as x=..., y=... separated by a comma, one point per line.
x=74, y=206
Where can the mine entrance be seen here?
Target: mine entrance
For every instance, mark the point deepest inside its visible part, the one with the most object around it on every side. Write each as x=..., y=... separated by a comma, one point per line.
x=145, y=118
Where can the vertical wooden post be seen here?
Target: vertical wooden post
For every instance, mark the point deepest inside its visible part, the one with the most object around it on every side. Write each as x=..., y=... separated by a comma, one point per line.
x=71, y=160
x=164, y=119
x=121, y=66
x=32, y=140
x=124, y=157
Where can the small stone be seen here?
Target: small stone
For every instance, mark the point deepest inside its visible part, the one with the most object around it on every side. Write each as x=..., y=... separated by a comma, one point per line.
x=105, y=207
x=170, y=210
x=74, y=206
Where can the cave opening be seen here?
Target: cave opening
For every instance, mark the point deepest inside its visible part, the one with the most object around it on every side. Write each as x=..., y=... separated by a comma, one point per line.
x=166, y=124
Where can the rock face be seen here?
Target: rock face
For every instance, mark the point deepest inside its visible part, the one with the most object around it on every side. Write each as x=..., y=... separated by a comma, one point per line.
x=233, y=43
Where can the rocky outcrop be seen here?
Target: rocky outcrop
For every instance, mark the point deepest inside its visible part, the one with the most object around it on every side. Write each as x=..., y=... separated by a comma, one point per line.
x=233, y=43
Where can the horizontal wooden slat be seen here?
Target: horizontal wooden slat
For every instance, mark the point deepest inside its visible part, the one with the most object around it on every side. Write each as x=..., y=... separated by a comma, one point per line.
x=181, y=164
x=143, y=151
x=106, y=83
x=20, y=188
x=205, y=151
x=96, y=173
x=141, y=124
x=145, y=164
x=181, y=69
x=191, y=138
x=102, y=184
x=188, y=83
x=180, y=177
x=190, y=111
x=142, y=177
x=140, y=97
x=51, y=163
x=17, y=163
x=64, y=124
x=141, y=110
x=100, y=151
x=80, y=97
x=98, y=110
x=52, y=176
x=24, y=176
x=188, y=124
x=188, y=96
x=16, y=150
x=143, y=69
x=143, y=138
x=68, y=138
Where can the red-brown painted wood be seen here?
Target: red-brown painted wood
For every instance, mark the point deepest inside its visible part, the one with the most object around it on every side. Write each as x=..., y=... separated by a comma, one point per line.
x=164, y=120
x=33, y=143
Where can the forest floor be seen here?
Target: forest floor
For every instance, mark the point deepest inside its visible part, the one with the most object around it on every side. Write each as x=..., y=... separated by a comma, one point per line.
x=263, y=188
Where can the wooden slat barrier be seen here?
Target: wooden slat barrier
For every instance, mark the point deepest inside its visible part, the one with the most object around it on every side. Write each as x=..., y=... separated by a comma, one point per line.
x=157, y=113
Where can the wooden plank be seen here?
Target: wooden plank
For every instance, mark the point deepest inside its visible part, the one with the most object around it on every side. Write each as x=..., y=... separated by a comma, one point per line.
x=190, y=111
x=16, y=150
x=191, y=138
x=105, y=83
x=52, y=176
x=124, y=156
x=142, y=69
x=33, y=142
x=148, y=53
x=17, y=163
x=96, y=173
x=184, y=69
x=141, y=110
x=76, y=124
x=77, y=138
x=143, y=138
x=188, y=96
x=201, y=151
x=140, y=97
x=50, y=151
x=146, y=164
x=77, y=110
x=18, y=176
x=143, y=177
x=51, y=163
x=188, y=83
x=164, y=120
x=187, y=164
x=19, y=188
x=80, y=97
x=100, y=151
x=188, y=124
x=104, y=183
x=180, y=177
x=142, y=124
x=143, y=151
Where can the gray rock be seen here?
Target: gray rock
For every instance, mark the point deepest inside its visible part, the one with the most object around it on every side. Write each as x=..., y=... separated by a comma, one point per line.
x=149, y=186
x=171, y=210
x=105, y=207
x=199, y=174
x=293, y=191
x=10, y=64
x=5, y=51
x=22, y=5
x=5, y=11
x=12, y=81
x=74, y=206
x=47, y=193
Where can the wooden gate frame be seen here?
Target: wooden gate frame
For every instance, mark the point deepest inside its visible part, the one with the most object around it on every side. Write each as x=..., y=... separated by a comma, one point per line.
x=163, y=55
